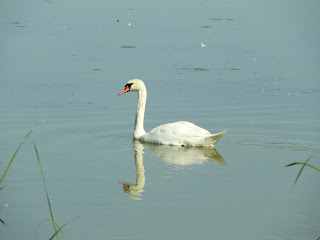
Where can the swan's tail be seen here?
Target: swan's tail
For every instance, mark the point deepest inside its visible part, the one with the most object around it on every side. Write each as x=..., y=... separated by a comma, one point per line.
x=212, y=139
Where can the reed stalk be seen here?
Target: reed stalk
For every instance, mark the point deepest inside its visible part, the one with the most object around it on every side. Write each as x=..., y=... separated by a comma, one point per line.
x=55, y=226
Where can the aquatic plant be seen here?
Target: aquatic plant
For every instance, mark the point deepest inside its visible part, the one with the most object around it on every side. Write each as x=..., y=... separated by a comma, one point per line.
x=303, y=165
x=2, y=222
x=57, y=229
x=55, y=225
x=11, y=160
x=15, y=154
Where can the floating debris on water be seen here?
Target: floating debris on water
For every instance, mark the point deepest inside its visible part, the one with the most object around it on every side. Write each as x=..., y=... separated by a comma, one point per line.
x=203, y=45
x=196, y=69
x=97, y=69
x=14, y=22
x=128, y=47
x=220, y=19
x=206, y=26
x=129, y=24
x=234, y=69
x=72, y=130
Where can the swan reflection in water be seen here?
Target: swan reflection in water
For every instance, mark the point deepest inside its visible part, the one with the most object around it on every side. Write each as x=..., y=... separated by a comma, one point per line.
x=174, y=155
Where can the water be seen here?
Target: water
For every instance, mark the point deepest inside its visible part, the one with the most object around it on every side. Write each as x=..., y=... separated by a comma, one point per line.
x=65, y=63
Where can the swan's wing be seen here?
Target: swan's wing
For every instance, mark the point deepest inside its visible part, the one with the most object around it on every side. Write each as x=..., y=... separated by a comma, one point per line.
x=177, y=131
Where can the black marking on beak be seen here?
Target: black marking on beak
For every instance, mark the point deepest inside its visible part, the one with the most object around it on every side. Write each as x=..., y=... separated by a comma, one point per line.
x=129, y=85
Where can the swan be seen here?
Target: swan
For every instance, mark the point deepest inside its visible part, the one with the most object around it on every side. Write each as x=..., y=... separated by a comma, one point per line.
x=178, y=133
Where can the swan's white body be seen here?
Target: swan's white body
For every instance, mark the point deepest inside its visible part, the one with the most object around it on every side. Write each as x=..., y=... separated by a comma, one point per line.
x=178, y=133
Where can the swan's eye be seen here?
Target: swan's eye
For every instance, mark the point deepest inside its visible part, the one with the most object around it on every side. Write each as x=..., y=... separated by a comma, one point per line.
x=129, y=85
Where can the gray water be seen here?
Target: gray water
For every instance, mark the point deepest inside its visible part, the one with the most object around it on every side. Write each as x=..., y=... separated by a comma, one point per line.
x=258, y=77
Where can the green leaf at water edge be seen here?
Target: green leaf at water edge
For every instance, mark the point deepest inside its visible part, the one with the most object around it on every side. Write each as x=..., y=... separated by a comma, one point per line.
x=306, y=164
x=15, y=154
x=303, y=165
x=60, y=228
x=45, y=187
x=3, y=222
x=56, y=233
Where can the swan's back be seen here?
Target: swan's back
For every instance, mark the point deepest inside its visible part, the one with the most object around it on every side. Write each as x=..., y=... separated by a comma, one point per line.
x=182, y=134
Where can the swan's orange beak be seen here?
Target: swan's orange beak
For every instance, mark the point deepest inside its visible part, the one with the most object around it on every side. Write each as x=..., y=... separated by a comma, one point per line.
x=126, y=89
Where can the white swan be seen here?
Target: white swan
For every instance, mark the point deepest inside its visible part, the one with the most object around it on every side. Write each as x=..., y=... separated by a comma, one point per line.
x=178, y=133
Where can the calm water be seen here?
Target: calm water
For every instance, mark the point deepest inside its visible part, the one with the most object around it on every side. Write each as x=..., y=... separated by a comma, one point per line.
x=258, y=77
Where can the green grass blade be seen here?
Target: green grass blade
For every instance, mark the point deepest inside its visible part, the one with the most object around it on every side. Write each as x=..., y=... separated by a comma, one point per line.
x=15, y=154
x=45, y=187
x=306, y=164
x=57, y=231
x=62, y=227
x=303, y=165
x=3, y=222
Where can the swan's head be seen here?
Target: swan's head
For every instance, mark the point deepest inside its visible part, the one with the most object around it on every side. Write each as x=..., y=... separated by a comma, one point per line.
x=133, y=85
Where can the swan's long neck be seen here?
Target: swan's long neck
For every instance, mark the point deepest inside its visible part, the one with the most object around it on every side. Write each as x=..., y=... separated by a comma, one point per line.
x=142, y=98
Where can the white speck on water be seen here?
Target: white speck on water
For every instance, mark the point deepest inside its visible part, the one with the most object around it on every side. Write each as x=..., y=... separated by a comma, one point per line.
x=129, y=24
x=203, y=45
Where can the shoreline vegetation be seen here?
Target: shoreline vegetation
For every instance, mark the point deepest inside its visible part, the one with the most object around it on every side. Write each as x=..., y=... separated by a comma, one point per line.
x=57, y=228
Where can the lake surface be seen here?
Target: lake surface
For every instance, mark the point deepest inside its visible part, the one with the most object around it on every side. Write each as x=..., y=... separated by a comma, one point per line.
x=257, y=77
